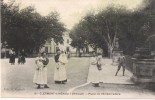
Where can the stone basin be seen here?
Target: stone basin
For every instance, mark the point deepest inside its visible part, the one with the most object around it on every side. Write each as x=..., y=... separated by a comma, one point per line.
x=143, y=70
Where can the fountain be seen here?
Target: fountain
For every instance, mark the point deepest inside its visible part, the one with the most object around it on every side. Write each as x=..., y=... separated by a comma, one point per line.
x=143, y=66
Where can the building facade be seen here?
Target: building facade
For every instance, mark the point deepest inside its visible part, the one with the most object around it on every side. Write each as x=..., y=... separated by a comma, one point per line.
x=50, y=46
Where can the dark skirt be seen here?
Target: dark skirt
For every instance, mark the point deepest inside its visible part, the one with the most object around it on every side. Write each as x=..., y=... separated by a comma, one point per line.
x=21, y=59
x=12, y=59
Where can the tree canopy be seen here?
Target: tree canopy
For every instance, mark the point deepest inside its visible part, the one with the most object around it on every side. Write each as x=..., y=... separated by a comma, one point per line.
x=27, y=29
x=102, y=29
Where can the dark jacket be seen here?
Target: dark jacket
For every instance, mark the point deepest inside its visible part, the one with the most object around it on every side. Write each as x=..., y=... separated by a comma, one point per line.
x=57, y=58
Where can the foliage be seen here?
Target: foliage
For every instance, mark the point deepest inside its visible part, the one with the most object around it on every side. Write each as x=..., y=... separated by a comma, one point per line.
x=101, y=30
x=27, y=29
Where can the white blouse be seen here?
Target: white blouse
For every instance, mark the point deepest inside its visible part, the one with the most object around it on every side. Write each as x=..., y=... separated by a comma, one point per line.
x=63, y=58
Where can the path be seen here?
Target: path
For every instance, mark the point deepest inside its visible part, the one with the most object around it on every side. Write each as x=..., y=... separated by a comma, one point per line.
x=108, y=74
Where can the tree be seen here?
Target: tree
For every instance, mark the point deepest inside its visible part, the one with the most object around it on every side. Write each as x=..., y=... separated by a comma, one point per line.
x=108, y=25
x=140, y=27
x=101, y=30
x=27, y=29
x=150, y=11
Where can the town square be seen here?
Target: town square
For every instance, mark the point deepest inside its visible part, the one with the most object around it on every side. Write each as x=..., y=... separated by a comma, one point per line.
x=78, y=49
x=79, y=75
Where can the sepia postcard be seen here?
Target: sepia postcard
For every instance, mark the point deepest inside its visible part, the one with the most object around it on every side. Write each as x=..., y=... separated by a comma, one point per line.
x=78, y=49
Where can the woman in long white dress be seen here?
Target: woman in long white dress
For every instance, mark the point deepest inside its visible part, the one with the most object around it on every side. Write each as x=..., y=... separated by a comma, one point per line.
x=95, y=64
x=40, y=76
x=60, y=75
x=57, y=67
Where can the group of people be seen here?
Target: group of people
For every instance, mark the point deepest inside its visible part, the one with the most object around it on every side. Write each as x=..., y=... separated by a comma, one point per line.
x=12, y=54
x=97, y=64
x=21, y=56
x=60, y=76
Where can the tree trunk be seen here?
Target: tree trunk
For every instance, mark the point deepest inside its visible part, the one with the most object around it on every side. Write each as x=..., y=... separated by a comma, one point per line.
x=110, y=51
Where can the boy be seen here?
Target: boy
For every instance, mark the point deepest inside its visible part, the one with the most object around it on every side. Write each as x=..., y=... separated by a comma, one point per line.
x=121, y=61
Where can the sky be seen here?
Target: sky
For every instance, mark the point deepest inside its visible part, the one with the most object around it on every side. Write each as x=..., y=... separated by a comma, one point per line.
x=71, y=11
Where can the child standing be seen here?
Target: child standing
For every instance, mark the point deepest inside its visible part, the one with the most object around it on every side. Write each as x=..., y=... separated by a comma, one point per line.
x=121, y=61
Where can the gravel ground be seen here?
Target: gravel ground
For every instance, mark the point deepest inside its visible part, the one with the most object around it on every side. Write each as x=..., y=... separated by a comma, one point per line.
x=17, y=82
x=125, y=91
x=18, y=78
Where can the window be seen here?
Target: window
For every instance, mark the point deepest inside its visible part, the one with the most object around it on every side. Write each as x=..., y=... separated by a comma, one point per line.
x=46, y=49
x=67, y=41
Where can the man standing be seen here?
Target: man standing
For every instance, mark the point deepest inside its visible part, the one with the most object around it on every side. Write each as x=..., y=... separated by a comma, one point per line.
x=121, y=63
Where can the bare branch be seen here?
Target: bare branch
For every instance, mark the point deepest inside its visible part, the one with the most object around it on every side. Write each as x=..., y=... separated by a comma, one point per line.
x=108, y=32
x=106, y=40
x=114, y=39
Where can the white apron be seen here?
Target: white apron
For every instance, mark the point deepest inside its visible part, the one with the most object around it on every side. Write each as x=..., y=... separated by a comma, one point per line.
x=96, y=74
x=40, y=75
x=60, y=69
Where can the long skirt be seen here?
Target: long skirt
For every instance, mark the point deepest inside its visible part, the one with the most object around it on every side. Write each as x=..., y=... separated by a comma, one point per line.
x=40, y=76
x=60, y=73
x=23, y=59
x=96, y=74
x=19, y=59
x=12, y=59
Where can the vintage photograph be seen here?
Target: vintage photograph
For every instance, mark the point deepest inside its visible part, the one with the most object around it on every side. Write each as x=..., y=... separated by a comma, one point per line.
x=78, y=49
